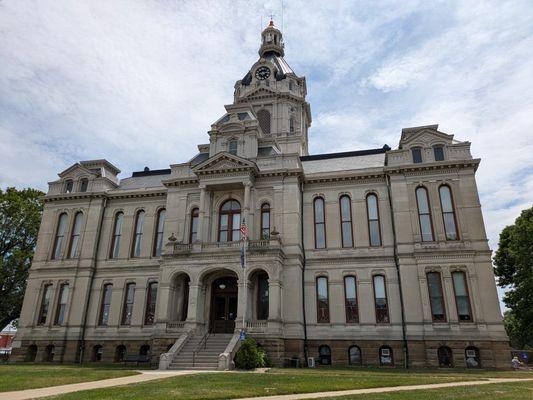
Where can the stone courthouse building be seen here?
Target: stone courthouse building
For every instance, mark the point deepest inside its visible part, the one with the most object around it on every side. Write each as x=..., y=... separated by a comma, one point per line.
x=368, y=257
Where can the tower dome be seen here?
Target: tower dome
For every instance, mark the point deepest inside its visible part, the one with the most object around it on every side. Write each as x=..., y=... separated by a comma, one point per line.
x=271, y=41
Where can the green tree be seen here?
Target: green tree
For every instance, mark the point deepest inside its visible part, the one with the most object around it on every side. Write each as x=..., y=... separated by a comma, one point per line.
x=514, y=267
x=20, y=217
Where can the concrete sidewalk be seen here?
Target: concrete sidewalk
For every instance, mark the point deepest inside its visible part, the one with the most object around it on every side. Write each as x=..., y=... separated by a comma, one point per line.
x=144, y=376
x=339, y=393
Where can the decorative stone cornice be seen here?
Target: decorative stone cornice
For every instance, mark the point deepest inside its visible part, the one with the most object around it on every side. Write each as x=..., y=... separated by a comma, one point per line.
x=424, y=168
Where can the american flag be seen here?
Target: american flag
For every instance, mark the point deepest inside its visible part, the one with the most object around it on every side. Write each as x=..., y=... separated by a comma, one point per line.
x=244, y=230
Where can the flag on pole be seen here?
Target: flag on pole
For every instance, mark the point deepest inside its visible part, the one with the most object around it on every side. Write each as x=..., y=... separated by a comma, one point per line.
x=244, y=238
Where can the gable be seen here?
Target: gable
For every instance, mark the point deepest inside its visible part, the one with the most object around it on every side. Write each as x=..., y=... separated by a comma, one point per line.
x=75, y=171
x=425, y=136
x=224, y=162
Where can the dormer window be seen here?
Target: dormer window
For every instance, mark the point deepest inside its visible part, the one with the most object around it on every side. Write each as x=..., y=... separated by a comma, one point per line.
x=291, y=85
x=69, y=185
x=438, y=153
x=232, y=146
x=84, y=183
x=417, y=154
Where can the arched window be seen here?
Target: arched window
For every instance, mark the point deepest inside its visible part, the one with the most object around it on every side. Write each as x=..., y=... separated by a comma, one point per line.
x=472, y=357
x=322, y=297
x=462, y=298
x=120, y=353
x=229, y=224
x=158, y=240
x=262, y=296
x=49, y=353
x=386, y=357
x=98, y=351
x=354, y=355
x=151, y=299
x=193, y=233
x=84, y=184
x=445, y=356
x=424, y=214
x=127, y=309
x=416, y=152
x=117, y=234
x=324, y=355
x=75, y=235
x=345, y=205
x=31, y=353
x=45, y=304
x=232, y=146
x=69, y=186
x=372, y=211
x=62, y=300
x=436, y=297
x=448, y=212
x=380, y=299
x=320, y=223
x=350, y=299
x=144, y=350
x=263, y=116
x=438, y=152
x=138, y=234
x=265, y=221
x=59, y=240
x=105, y=304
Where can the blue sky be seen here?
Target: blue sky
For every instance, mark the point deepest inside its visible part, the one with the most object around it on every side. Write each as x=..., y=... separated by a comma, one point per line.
x=140, y=82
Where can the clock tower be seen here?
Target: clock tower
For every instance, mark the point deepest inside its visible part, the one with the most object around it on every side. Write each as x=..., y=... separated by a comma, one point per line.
x=272, y=96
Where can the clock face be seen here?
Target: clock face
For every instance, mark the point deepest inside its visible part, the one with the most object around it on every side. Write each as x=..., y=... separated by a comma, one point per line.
x=262, y=73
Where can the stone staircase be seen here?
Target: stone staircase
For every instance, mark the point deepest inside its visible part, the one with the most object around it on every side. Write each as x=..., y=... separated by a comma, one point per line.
x=206, y=357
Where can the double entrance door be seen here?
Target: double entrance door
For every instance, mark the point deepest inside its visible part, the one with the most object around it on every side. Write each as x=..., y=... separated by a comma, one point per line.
x=224, y=305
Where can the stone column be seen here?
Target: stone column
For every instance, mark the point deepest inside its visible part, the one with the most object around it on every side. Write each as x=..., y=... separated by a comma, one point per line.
x=200, y=233
x=242, y=310
x=247, y=186
x=274, y=300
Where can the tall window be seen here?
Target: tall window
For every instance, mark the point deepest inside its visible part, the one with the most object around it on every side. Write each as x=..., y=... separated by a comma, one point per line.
x=75, y=235
x=193, y=234
x=320, y=223
x=380, y=299
x=59, y=240
x=127, y=309
x=346, y=221
x=386, y=356
x=158, y=242
x=374, y=231
x=105, y=305
x=322, y=299
x=61, y=304
x=436, y=297
x=416, y=152
x=424, y=214
x=232, y=146
x=354, y=355
x=462, y=299
x=84, y=183
x=137, y=239
x=324, y=355
x=291, y=124
x=229, y=222
x=264, y=121
x=262, y=296
x=45, y=304
x=69, y=186
x=448, y=213
x=265, y=221
x=472, y=357
x=151, y=298
x=438, y=153
x=350, y=299
x=117, y=234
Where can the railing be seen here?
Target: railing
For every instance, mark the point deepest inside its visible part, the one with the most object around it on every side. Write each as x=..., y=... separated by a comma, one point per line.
x=253, y=245
x=201, y=343
x=217, y=245
x=174, y=326
x=256, y=326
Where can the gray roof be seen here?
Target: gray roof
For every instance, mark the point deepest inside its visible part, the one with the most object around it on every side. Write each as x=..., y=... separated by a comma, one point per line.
x=142, y=182
x=344, y=163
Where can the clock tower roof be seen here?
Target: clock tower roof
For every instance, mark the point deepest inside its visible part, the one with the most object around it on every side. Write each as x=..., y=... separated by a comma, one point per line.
x=271, y=41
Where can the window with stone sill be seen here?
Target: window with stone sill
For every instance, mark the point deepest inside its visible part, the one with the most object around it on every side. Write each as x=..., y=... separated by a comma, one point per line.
x=416, y=153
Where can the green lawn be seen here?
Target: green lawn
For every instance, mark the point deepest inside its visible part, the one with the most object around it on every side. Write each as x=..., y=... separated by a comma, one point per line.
x=280, y=381
x=494, y=391
x=19, y=377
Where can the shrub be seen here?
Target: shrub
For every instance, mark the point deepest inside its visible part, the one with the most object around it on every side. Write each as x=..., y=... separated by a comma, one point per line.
x=250, y=356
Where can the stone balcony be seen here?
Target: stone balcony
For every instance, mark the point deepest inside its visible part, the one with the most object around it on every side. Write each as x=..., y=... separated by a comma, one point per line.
x=175, y=249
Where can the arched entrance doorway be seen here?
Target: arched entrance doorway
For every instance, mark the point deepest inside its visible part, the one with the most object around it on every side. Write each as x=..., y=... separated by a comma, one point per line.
x=223, y=305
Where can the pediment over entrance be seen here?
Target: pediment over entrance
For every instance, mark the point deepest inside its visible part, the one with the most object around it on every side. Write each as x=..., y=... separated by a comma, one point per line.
x=224, y=162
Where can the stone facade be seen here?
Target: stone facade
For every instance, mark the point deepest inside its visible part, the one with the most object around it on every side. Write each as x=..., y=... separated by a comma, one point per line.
x=383, y=249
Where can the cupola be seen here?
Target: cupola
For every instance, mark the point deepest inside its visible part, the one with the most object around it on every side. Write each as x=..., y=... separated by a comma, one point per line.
x=271, y=41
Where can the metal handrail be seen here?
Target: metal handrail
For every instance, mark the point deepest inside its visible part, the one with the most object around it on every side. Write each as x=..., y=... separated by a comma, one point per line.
x=203, y=341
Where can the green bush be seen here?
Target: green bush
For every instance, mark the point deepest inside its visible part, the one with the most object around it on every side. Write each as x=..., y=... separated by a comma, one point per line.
x=250, y=356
